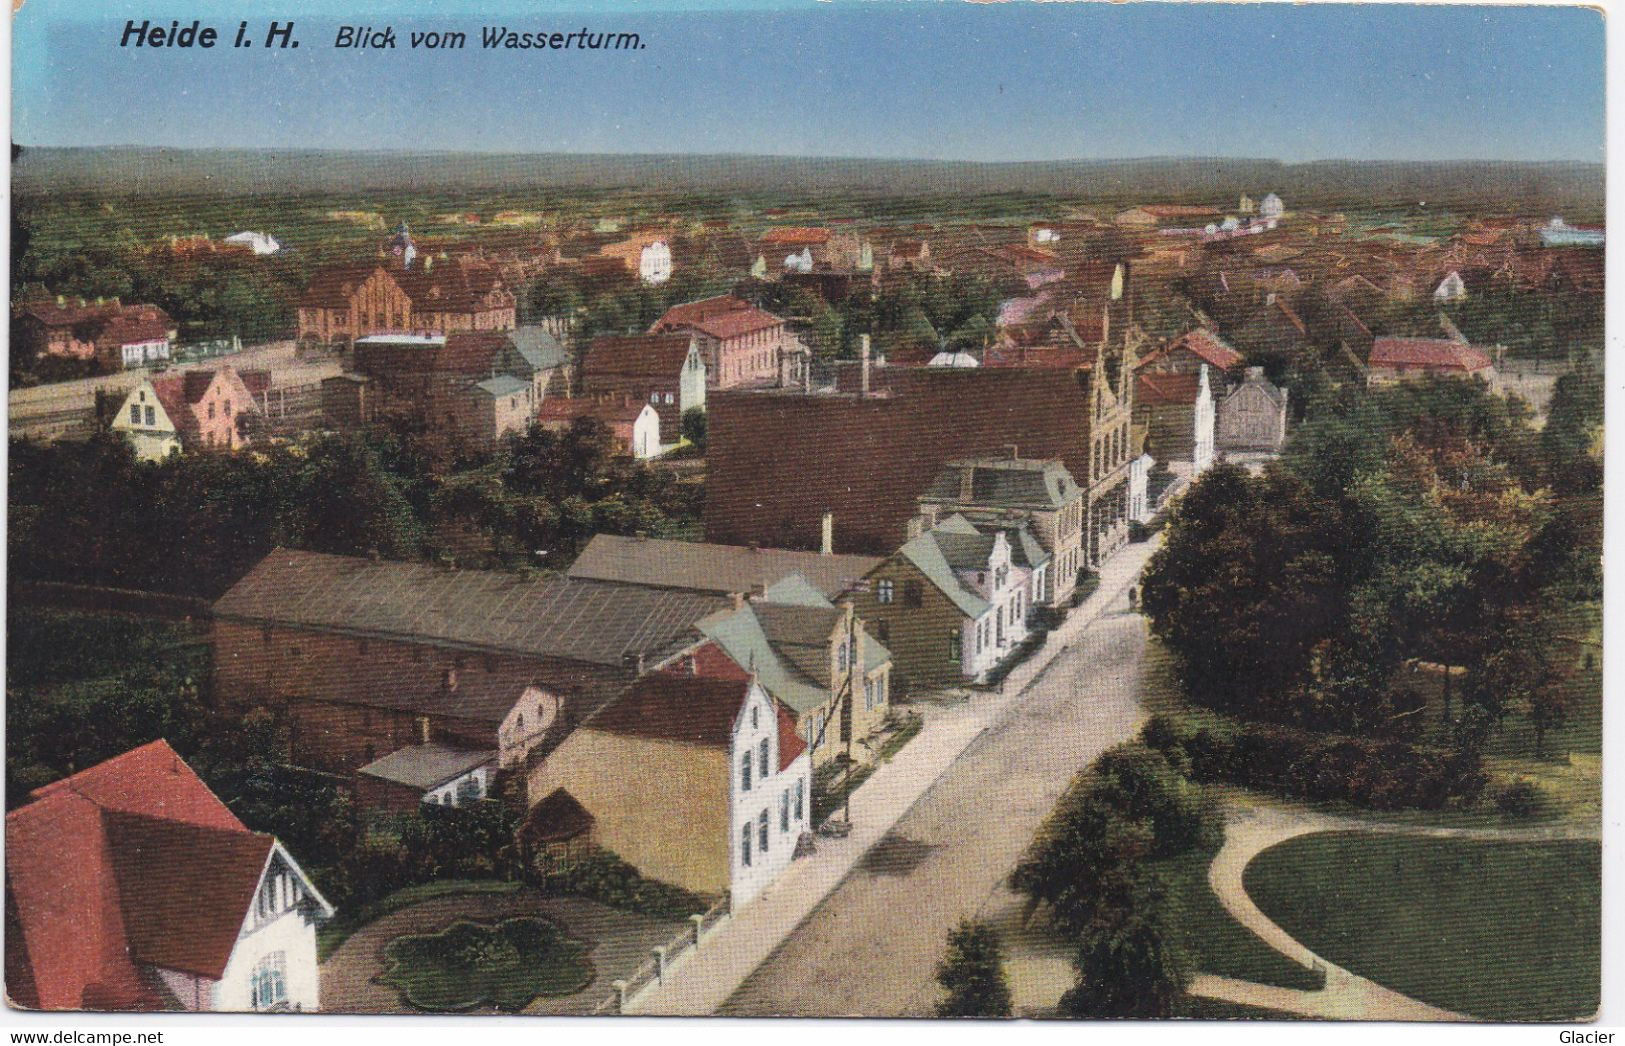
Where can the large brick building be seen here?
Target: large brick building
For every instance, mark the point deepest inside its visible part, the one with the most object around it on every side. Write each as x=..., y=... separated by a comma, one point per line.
x=108, y=333
x=368, y=657
x=350, y=301
x=742, y=346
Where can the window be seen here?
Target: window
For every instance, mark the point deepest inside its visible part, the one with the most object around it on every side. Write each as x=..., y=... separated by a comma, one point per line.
x=669, y=398
x=883, y=631
x=744, y=846
x=883, y=590
x=654, y=397
x=135, y=414
x=761, y=832
x=784, y=810
x=868, y=695
x=744, y=775
x=840, y=657
x=911, y=593
x=801, y=797
x=755, y=717
x=269, y=984
x=152, y=415
x=761, y=759
x=955, y=647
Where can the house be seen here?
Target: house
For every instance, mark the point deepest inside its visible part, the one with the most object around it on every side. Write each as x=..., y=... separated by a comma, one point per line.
x=1140, y=505
x=909, y=256
x=954, y=601
x=1177, y=413
x=131, y=886
x=742, y=345
x=1251, y=418
x=535, y=354
x=435, y=773
x=697, y=781
x=1451, y=288
x=665, y=370
x=633, y=424
x=1399, y=359
x=813, y=656
x=1271, y=207
x=719, y=570
x=838, y=249
x=1189, y=353
x=109, y=334
x=349, y=301
x=370, y=656
x=143, y=420
x=1152, y=215
x=259, y=242
x=649, y=257
x=1013, y=490
x=494, y=409
x=1559, y=233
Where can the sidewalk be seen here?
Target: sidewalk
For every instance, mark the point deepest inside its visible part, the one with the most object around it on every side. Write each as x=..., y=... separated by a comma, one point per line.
x=705, y=977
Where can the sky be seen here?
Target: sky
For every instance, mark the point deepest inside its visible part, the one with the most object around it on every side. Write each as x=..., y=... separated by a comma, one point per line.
x=892, y=79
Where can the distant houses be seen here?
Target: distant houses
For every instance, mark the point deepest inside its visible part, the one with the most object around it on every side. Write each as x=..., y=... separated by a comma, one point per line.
x=131, y=886
x=349, y=301
x=192, y=411
x=1400, y=359
x=111, y=335
x=742, y=346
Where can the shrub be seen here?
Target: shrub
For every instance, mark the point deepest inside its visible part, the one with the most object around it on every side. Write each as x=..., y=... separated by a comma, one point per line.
x=1302, y=764
x=600, y=875
x=972, y=972
x=1521, y=798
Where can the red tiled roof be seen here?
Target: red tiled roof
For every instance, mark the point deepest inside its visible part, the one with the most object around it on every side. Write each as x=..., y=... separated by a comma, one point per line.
x=1206, y=345
x=673, y=707
x=610, y=411
x=721, y=317
x=334, y=286
x=131, y=861
x=795, y=235
x=790, y=743
x=1441, y=353
x=654, y=356
x=1167, y=389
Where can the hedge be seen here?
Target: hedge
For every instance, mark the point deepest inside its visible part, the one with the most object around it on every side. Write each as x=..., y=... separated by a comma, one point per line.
x=1301, y=764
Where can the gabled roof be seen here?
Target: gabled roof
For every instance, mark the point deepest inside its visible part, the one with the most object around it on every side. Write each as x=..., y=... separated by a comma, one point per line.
x=669, y=706
x=583, y=621
x=723, y=317
x=501, y=385
x=428, y=766
x=538, y=348
x=557, y=818
x=129, y=864
x=928, y=555
x=1167, y=389
x=719, y=569
x=654, y=357
x=1427, y=352
x=1205, y=345
x=1025, y=483
x=793, y=235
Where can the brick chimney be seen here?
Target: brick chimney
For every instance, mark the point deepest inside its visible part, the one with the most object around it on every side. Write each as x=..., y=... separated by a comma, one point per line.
x=863, y=365
x=827, y=541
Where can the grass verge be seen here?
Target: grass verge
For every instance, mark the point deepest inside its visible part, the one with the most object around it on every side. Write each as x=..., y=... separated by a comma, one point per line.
x=340, y=927
x=1499, y=931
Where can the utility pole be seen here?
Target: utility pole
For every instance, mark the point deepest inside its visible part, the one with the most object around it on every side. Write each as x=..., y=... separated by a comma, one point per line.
x=851, y=667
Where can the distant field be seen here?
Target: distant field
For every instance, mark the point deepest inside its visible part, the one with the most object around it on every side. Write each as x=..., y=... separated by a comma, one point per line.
x=1501, y=931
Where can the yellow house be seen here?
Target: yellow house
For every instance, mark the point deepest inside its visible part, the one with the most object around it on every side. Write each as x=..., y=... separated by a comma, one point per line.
x=142, y=420
x=697, y=781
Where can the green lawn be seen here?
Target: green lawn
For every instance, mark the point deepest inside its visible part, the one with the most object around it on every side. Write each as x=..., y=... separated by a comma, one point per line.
x=1218, y=943
x=1500, y=931
x=338, y=929
x=471, y=964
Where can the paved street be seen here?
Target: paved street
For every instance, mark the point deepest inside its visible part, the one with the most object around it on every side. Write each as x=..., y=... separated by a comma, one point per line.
x=872, y=946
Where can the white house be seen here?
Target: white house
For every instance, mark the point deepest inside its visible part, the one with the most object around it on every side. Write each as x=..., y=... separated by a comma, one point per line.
x=1203, y=418
x=131, y=886
x=654, y=263
x=769, y=798
x=259, y=242
x=1139, y=473
x=1451, y=288
x=1271, y=207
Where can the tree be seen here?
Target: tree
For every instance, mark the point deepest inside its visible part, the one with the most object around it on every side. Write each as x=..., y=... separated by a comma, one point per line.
x=695, y=425
x=972, y=973
x=1128, y=962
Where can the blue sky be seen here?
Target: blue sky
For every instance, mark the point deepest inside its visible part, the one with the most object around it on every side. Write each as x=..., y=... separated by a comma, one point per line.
x=941, y=80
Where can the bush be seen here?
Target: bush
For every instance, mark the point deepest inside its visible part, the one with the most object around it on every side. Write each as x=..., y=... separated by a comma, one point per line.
x=972, y=972
x=600, y=875
x=1521, y=798
x=1380, y=775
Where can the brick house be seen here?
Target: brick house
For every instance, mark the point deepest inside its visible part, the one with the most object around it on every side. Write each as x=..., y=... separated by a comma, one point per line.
x=633, y=424
x=1189, y=352
x=1251, y=418
x=1178, y=415
x=349, y=301
x=369, y=657
x=110, y=334
x=1400, y=359
x=742, y=345
x=666, y=371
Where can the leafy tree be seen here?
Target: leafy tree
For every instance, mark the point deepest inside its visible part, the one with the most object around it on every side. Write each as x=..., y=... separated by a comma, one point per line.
x=972, y=973
x=695, y=426
x=1129, y=962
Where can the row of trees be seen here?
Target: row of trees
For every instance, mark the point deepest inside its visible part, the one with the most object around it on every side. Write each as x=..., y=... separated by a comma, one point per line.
x=90, y=513
x=1429, y=521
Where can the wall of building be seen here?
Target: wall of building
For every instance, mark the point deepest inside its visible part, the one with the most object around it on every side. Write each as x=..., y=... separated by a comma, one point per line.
x=294, y=935
x=661, y=805
x=916, y=636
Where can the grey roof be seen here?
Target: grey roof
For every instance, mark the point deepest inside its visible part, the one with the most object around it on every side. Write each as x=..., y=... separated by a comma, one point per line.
x=702, y=567
x=583, y=621
x=538, y=348
x=927, y=555
x=501, y=385
x=426, y=766
x=1005, y=483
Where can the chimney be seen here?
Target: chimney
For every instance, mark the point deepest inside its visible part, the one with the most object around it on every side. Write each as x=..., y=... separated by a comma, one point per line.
x=448, y=679
x=863, y=363
x=917, y=525
x=758, y=590
x=423, y=729
x=1014, y=452
x=827, y=541
x=967, y=481
x=737, y=599
x=633, y=663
